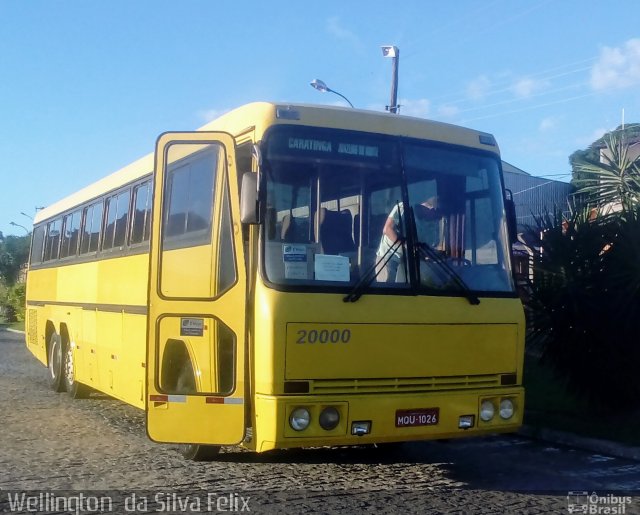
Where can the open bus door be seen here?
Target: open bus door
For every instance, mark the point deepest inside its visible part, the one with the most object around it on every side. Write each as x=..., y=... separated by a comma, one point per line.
x=196, y=325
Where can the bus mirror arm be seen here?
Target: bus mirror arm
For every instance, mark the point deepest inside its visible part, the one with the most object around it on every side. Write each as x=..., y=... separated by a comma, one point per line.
x=512, y=221
x=249, y=206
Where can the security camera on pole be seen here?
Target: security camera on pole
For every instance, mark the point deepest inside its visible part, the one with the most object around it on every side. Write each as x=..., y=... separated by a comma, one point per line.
x=394, y=53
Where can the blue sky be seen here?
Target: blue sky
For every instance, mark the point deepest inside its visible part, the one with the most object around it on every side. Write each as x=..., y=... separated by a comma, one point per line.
x=86, y=86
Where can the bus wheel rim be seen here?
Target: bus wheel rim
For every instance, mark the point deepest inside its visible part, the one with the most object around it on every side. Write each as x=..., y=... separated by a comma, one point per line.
x=68, y=368
x=54, y=362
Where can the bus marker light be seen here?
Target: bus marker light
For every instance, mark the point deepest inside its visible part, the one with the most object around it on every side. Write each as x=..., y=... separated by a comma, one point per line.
x=224, y=400
x=466, y=421
x=168, y=398
x=361, y=427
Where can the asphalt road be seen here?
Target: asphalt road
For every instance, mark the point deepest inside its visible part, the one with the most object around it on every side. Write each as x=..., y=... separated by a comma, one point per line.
x=54, y=449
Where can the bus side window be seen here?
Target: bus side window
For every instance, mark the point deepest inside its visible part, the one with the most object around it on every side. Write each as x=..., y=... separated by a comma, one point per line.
x=91, y=224
x=115, y=229
x=141, y=214
x=52, y=241
x=37, y=245
x=188, y=213
x=71, y=226
x=120, y=236
x=226, y=260
x=187, y=250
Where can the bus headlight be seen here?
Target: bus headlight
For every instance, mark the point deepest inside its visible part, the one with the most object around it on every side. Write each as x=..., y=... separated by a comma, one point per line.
x=487, y=410
x=329, y=418
x=299, y=419
x=506, y=409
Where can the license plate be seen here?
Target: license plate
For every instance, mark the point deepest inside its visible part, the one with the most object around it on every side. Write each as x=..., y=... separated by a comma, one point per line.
x=417, y=417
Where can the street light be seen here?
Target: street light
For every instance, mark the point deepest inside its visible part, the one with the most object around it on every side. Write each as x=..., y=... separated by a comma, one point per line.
x=21, y=226
x=25, y=214
x=394, y=53
x=323, y=88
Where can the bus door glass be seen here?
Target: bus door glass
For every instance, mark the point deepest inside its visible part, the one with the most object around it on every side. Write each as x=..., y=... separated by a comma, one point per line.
x=196, y=333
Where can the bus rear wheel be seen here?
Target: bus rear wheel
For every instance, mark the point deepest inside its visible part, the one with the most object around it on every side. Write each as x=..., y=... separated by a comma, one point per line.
x=195, y=452
x=75, y=389
x=56, y=382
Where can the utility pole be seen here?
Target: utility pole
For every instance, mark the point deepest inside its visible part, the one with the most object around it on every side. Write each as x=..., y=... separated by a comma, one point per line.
x=393, y=52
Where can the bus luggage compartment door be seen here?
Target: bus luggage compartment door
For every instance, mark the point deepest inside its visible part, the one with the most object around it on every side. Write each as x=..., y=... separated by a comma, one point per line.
x=196, y=324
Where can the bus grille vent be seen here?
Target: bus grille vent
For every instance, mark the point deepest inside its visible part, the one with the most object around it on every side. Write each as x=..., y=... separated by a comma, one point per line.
x=33, y=327
x=416, y=384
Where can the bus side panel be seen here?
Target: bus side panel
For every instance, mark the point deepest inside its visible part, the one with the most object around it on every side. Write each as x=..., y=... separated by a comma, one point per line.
x=133, y=356
x=87, y=372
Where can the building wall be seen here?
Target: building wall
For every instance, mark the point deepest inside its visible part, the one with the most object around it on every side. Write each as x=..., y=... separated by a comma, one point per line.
x=534, y=196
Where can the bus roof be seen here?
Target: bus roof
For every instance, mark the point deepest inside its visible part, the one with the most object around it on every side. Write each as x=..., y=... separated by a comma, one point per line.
x=256, y=117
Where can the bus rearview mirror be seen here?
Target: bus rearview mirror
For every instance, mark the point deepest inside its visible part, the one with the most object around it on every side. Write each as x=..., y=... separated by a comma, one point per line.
x=512, y=222
x=249, y=212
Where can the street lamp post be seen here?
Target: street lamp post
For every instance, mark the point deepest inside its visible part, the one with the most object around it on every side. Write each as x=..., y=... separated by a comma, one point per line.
x=21, y=226
x=393, y=52
x=323, y=88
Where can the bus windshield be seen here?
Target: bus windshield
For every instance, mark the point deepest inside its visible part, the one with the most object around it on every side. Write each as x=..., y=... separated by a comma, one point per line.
x=336, y=211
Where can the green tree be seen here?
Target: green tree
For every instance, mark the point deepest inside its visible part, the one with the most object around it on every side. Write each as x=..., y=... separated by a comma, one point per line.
x=585, y=298
x=14, y=252
x=607, y=173
x=585, y=304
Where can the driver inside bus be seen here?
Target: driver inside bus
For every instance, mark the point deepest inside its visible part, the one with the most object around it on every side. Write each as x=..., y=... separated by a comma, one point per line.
x=429, y=228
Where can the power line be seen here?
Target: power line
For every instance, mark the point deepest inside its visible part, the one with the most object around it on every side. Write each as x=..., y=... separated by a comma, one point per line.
x=528, y=108
x=533, y=187
x=465, y=97
x=522, y=99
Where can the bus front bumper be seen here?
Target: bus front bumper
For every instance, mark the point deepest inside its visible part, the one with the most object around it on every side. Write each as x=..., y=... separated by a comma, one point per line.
x=381, y=418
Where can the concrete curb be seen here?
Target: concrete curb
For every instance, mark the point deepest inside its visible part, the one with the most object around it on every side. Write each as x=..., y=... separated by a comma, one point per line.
x=581, y=442
x=17, y=331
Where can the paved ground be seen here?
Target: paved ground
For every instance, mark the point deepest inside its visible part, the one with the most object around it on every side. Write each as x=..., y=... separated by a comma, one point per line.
x=97, y=446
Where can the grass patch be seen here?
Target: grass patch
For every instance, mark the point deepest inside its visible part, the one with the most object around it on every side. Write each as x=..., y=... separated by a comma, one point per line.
x=18, y=326
x=549, y=404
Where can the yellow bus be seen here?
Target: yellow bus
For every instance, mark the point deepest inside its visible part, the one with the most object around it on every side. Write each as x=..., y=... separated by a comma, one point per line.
x=289, y=276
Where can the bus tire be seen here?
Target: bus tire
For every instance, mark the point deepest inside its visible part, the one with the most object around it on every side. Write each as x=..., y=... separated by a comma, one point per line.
x=56, y=381
x=75, y=389
x=196, y=452
x=186, y=383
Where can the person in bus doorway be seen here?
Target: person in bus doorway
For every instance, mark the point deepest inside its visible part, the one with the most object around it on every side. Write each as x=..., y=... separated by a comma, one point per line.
x=429, y=228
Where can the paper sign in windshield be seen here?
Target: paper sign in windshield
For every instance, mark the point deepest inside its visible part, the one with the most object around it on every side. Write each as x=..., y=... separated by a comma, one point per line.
x=295, y=261
x=331, y=268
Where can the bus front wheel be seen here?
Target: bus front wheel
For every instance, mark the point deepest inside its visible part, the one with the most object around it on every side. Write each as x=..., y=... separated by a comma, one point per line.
x=56, y=382
x=195, y=452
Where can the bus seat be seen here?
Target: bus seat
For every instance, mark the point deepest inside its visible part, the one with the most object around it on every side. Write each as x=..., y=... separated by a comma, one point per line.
x=295, y=229
x=335, y=231
x=270, y=223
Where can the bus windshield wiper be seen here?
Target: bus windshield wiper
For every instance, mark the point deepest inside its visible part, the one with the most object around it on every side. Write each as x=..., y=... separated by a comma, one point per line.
x=373, y=272
x=427, y=251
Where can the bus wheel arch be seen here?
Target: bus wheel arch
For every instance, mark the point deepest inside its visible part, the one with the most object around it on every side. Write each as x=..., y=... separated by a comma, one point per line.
x=178, y=373
x=178, y=377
